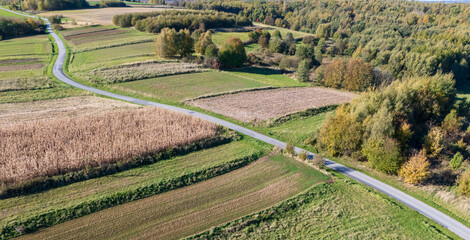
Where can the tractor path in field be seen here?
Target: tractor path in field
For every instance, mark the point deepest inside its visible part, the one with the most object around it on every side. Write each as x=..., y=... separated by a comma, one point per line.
x=421, y=207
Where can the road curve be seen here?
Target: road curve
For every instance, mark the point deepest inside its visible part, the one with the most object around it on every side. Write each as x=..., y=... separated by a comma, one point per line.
x=426, y=210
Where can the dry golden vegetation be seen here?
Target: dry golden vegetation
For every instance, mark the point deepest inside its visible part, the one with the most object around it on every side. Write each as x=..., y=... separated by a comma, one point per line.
x=58, y=108
x=263, y=105
x=46, y=148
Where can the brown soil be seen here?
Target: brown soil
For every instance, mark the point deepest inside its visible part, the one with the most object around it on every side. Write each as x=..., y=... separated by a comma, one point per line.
x=266, y=104
x=95, y=33
x=65, y=107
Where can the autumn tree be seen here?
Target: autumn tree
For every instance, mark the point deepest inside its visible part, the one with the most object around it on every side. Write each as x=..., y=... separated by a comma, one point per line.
x=359, y=75
x=204, y=41
x=170, y=43
x=416, y=170
x=463, y=183
x=232, y=53
x=334, y=74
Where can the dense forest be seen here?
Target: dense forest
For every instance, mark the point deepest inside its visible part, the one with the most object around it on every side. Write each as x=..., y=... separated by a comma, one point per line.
x=14, y=27
x=154, y=22
x=400, y=38
x=43, y=5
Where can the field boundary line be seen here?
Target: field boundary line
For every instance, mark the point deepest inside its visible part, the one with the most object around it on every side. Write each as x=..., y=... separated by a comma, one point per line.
x=444, y=220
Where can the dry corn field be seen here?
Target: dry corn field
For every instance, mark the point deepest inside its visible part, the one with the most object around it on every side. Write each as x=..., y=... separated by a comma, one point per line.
x=53, y=147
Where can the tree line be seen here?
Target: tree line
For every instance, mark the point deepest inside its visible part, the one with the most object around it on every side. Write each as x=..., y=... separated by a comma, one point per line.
x=46, y=5
x=173, y=43
x=15, y=27
x=154, y=22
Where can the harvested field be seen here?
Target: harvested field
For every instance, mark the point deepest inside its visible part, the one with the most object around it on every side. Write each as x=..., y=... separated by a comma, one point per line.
x=23, y=60
x=47, y=148
x=21, y=67
x=102, y=16
x=141, y=70
x=94, y=33
x=72, y=107
x=189, y=210
x=266, y=104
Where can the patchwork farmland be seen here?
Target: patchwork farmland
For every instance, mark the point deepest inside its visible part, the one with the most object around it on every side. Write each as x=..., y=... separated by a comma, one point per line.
x=78, y=165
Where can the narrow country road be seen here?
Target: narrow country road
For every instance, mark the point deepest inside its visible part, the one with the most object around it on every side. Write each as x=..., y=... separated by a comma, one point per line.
x=426, y=210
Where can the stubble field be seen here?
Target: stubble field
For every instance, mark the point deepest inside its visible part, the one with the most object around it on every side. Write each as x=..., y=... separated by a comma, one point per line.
x=263, y=105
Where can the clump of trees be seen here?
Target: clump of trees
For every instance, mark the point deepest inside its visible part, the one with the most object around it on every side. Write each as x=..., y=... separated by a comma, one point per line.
x=171, y=43
x=15, y=27
x=154, y=22
x=232, y=53
x=386, y=127
x=353, y=75
x=47, y=5
x=112, y=3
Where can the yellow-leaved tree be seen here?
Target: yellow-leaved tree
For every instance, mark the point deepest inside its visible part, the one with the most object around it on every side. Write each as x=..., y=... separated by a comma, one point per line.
x=416, y=170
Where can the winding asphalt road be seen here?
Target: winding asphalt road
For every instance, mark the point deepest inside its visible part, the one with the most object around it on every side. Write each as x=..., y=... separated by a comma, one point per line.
x=426, y=210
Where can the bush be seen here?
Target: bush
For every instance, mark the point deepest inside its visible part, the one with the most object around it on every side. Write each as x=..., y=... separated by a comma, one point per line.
x=289, y=62
x=318, y=160
x=232, y=53
x=303, y=155
x=203, y=42
x=58, y=27
x=416, y=170
x=55, y=19
x=383, y=154
x=463, y=183
x=289, y=150
x=211, y=51
x=456, y=161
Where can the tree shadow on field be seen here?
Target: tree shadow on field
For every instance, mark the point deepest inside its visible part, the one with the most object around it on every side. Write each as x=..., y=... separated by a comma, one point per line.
x=259, y=71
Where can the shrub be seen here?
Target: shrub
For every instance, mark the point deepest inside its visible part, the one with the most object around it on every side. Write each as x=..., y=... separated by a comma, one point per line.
x=57, y=27
x=289, y=62
x=55, y=19
x=232, y=53
x=416, y=170
x=456, y=161
x=463, y=183
x=383, y=154
x=434, y=141
x=303, y=155
x=289, y=150
x=211, y=51
x=318, y=160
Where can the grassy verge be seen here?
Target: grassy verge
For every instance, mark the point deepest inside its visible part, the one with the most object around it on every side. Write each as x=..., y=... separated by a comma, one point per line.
x=192, y=209
x=341, y=210
x=25, y=214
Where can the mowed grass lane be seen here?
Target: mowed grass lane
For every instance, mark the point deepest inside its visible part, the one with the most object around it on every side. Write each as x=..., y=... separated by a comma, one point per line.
x=178, y=88
x=192, y=209
x=24, y=207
